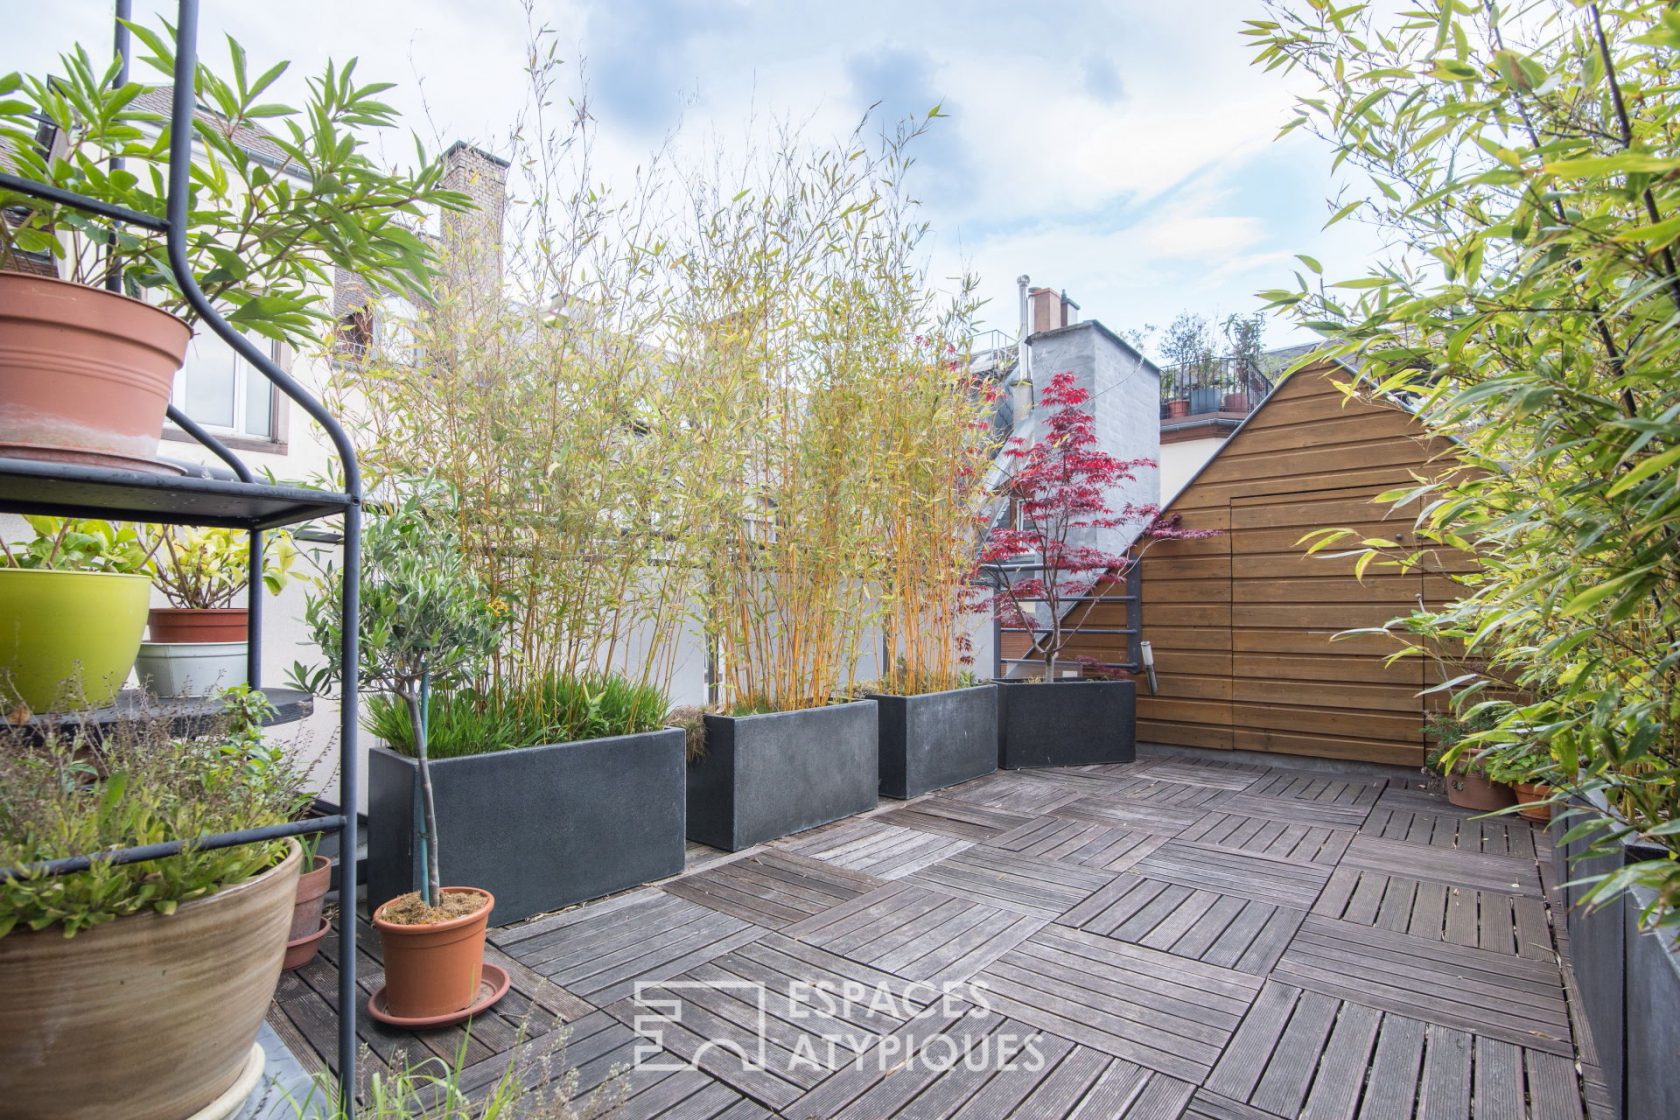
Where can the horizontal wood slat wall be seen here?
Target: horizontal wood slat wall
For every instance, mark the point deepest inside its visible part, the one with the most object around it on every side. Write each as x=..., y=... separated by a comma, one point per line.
x=1243, y=624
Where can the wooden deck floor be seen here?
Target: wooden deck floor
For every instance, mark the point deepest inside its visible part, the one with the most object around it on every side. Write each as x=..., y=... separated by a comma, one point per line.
x=1189, y=938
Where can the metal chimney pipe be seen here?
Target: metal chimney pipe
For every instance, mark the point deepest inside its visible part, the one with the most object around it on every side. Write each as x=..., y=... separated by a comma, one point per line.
x=1020, y=389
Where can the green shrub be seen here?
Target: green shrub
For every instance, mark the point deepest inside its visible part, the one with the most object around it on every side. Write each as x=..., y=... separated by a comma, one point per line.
x=554, y=709
x=138, y=786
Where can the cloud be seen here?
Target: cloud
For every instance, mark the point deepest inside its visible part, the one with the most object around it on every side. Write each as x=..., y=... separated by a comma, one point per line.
x=1102, y=81
x=904, y=84
x=643, y=56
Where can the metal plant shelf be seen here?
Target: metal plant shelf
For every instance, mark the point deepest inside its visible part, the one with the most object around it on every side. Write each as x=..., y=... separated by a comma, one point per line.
x=186, y=715
x=28, y=486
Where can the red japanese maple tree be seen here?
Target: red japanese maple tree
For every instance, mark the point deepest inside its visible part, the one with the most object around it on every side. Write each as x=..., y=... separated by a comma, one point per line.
x=1045, y=563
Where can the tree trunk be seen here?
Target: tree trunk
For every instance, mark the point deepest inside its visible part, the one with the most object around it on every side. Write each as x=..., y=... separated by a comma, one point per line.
x=433, y=894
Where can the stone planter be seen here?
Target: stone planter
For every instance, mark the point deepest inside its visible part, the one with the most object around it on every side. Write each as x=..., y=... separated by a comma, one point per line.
x=1650, y=1077
x=1066, y=723
x=148, y=1017
x=936, y=739
x=538, y=827
x=769, y=775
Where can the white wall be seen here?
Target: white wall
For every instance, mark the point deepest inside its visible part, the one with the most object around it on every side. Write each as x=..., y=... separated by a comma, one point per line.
x=1181, y=461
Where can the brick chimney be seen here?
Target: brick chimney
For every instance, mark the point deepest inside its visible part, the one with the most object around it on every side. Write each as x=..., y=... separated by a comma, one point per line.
x=1051, y=310
x=476, y=235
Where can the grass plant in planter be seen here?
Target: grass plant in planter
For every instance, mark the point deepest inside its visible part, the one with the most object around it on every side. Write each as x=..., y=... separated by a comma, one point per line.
x=198, y=642
x=576, y=775
x=1044, y=568
x=137, y=990
x=72, y=608
x=86, y=373
x=424, y=620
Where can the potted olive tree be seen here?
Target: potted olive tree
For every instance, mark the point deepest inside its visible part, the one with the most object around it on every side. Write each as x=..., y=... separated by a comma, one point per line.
x=424, y=620
x=72, y=608
x=86, y=374
x=137, y=990
x=198, y=642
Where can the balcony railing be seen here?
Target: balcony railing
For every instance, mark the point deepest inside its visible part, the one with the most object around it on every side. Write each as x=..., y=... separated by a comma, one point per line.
x=1223, y=385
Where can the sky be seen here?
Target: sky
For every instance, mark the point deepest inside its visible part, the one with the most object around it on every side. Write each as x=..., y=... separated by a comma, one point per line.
x=1123, y=151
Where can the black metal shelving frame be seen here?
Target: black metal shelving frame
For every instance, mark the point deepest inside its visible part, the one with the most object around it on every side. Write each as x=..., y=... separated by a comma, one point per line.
x=28, y=486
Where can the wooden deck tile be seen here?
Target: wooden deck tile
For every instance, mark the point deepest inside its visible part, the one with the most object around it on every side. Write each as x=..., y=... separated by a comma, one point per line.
x=1284, y=839
x=1260, y=878
x=868, y=846
x=1016, y=791
x=1160, y=791
x=1494, y=836
x=598, y=955
x=1234, y=776
x=1128, y=812
x=1167, y=1013
x=1012, y=882
x=1086, y=843
x=950, y=816
x=1452, y=866
x=1321, y=787
x=1498, y=995
x=1202, y=925
x=1303, y=1053
x=773, y=888
x=918, y=933
x=1328, y=813
x=1492, y=920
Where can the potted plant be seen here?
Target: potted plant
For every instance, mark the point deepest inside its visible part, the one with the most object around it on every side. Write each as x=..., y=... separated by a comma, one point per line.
x=580, y=772
x=1187, y=349
x=1043, y=570
x=937, y=724
x=1526, y=769
x=137, y=990
x=424, y=620
x=86, y=373
x=1245, y=334
x=1462, y=769
x=72, y=608
x=197, y=643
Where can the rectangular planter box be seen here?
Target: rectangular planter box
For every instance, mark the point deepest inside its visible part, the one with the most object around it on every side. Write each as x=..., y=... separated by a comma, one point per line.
x=1066, y=723
x=936, y=739
x=769, y=775
x=1651, y=1058
x=538, y=827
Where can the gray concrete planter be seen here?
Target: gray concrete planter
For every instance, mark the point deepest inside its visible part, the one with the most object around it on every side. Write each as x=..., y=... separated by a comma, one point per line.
x=1066, y=723
x=538, y=827
x=769, y=775
x=1650, y=1075
x=936, y=739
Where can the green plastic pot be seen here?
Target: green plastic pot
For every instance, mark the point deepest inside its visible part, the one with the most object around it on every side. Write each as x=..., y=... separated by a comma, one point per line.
x=68, y=639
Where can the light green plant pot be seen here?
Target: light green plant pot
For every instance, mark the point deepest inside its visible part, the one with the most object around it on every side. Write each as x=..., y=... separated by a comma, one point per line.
x=68, y=639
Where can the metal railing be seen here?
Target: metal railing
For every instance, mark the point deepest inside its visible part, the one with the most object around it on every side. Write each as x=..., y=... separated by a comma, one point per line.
x=1206, y=388
x=1132, y=631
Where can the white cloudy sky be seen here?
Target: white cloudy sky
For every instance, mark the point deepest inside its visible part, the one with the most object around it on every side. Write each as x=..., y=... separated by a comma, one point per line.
x=1122, y=150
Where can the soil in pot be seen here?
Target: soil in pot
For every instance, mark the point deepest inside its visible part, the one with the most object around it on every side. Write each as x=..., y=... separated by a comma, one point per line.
x=1472, y=789
x=434, y=955
x=85, y=374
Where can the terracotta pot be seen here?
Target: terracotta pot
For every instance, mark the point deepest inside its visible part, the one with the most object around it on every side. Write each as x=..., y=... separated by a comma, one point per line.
x=1532, y=796
x=149, y=1017
x=1235, y=402
x=1178, y=408
x=186, y=624
x=435, y=969
x=311, y=893
x=301, y=950
x=1472, y=789
x=85, y=374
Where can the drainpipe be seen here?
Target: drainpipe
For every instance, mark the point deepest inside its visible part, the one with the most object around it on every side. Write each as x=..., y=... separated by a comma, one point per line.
x=1021, y=389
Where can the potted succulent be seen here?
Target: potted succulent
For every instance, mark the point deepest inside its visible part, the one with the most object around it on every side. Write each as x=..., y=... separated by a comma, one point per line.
x=72, y=608
x=86, y=373
x=197, y=643
x=1464, y=771
x=1043, y=569
x=425, y=621
x=137, y=990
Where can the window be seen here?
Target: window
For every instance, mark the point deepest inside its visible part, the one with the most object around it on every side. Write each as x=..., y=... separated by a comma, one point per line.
x=224, y=392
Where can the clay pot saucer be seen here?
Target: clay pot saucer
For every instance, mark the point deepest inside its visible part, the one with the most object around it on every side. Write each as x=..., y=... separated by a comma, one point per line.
x=302, y=951
x=492, y=986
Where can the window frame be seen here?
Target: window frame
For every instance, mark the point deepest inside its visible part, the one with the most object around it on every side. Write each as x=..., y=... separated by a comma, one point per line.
x=275, y=443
